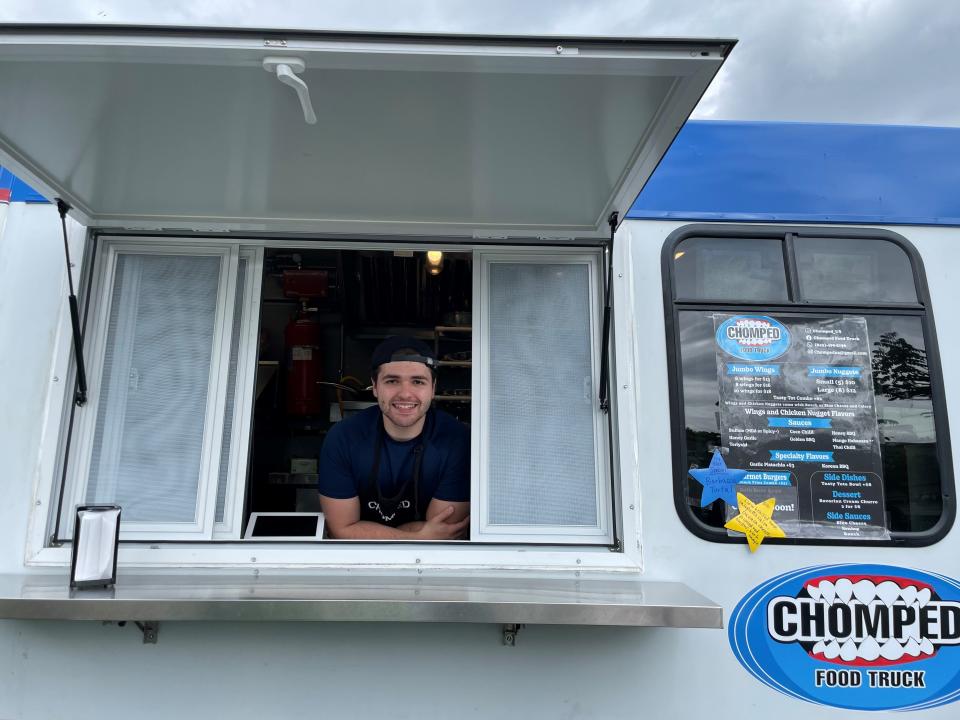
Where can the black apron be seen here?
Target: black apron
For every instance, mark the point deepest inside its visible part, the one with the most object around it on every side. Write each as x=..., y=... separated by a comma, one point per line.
x=402, y=507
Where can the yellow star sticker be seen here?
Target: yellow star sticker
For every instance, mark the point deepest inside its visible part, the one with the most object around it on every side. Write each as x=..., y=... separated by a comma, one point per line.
x=755, y=521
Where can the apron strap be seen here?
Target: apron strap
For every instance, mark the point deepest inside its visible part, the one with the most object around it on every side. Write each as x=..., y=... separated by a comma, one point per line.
x=373, y=481
x=417, y=469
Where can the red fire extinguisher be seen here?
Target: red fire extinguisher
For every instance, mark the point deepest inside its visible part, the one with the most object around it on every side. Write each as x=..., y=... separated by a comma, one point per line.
x=304, y=367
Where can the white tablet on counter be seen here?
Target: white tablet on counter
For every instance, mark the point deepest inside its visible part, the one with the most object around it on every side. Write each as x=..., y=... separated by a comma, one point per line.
x=289, y=526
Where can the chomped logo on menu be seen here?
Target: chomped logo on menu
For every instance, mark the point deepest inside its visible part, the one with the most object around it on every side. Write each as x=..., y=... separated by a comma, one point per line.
x=866, y=637
x=753, y=337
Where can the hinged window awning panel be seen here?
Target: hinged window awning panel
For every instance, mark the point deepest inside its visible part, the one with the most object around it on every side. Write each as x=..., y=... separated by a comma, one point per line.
x=370, y=598
x=150, y=128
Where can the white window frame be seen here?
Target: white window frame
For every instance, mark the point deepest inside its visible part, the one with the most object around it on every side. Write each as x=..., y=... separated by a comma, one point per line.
x=231, y=527
x=202, y=526
x=481, y=529
x=545, y=554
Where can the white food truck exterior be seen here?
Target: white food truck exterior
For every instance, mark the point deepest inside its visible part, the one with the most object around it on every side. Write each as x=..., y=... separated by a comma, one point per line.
x=649, y=608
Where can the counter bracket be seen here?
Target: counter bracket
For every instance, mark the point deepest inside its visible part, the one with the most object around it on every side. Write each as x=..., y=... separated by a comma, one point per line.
x=510, y=632
x=150, y=630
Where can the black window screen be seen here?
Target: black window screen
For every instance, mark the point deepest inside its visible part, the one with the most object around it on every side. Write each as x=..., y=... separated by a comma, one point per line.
x=730, y=269
x=846, y=270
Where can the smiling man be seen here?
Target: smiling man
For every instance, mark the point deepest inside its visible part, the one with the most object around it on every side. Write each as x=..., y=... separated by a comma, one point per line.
x=401, y=470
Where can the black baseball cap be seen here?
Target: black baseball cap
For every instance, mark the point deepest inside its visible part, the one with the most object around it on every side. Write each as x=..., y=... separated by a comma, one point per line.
x=402, y=348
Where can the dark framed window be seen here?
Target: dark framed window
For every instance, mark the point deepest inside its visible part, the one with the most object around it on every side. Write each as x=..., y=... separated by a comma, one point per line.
x=851, y=374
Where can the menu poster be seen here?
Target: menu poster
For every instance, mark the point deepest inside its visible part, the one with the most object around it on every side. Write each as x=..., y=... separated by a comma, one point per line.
x=797, y=412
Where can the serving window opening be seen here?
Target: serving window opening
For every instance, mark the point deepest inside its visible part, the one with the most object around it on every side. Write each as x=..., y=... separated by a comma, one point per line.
x=323, y=312
x=219, y=370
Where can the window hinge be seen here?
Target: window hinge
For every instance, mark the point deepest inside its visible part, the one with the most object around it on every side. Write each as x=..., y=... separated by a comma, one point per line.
x=617, y=545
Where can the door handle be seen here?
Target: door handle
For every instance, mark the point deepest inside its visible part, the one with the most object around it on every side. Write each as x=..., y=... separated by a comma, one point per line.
x=286, y=69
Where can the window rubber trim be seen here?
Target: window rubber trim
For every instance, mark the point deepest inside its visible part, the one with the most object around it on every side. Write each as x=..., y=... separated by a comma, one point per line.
x=922, y=309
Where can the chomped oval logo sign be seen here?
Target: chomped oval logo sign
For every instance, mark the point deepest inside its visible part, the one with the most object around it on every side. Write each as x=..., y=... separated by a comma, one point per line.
x=862, y=637
x=753, y=337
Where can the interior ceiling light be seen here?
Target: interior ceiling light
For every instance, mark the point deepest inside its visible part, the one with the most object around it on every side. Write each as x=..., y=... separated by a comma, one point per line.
x=434, y=261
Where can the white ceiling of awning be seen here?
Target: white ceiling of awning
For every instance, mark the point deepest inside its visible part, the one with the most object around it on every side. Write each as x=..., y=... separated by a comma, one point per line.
x=475, y=137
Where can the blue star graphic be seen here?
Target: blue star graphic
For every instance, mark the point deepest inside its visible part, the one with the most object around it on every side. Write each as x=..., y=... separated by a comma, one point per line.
x=719, y=481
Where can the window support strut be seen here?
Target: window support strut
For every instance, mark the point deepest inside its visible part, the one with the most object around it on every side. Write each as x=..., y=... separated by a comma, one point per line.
x=80, y=397
x=607, y=310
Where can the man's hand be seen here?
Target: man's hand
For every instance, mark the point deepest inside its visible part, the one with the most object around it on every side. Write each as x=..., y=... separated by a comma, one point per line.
x=444, y=526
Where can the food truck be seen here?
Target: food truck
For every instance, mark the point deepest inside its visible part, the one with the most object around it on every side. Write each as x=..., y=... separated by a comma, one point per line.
x=711, y=472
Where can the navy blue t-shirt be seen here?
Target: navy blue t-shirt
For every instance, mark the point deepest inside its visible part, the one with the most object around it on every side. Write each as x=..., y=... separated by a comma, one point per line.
x=347, y=458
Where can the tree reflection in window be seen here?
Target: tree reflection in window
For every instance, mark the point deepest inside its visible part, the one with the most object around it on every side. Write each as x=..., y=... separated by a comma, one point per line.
x=901, y=379
x=899, y=369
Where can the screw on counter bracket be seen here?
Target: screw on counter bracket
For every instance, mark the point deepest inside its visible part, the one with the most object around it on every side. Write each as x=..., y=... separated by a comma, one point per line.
x=510, y=632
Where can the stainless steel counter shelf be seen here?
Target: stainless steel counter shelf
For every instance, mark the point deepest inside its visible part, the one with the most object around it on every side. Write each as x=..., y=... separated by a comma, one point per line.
x=366, y=598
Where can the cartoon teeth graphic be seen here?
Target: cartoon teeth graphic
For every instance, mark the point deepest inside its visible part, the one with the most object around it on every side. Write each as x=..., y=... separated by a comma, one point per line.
x=865, y=620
